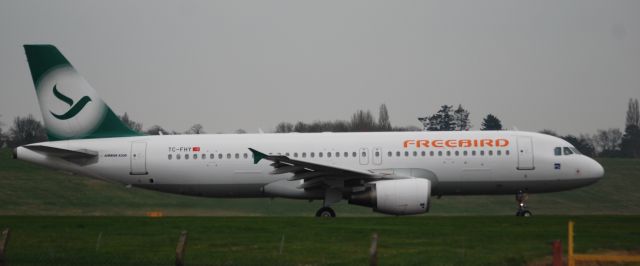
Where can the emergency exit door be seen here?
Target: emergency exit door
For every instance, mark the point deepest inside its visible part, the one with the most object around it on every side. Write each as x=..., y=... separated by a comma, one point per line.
x=525, y=153
x=364, y=156
x=138, y=158
x=377, y=155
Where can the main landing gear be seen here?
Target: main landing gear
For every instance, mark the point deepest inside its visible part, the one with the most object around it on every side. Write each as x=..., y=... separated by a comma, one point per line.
x=521, y=198
x=326, y=212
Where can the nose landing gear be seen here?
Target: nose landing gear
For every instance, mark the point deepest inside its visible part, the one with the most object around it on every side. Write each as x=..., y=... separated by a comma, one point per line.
x=325, y=212
x=521, y=198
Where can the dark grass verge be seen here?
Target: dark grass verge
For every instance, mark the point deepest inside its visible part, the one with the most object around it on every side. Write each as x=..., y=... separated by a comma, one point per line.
x=463, y=240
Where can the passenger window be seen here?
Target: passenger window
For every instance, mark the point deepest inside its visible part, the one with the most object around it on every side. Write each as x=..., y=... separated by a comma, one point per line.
x=490, y=153
x=364, y=154
x=499, y=152
x=406, y=154
x=389, y=154
x=567, y=151
x=286, y=154
x=228, y=155
x=465, y=153
x=212, y=156
x=328, y=154
x=220, y=155
x=557, y=151
x=346, y=154
x=481, y=153
x=354, y=154
x=439, y=153
x=423, y=153
x=203, y=156
x=415, y=153
x=178, y=156
x=448, y=153
x=245, y=156
x=304, y=155
x=397, y=154
x=377, y=154
x=457, y=153
x=431, y=153
x=312, y=155
x=186, y=156
x=473, y=153
x=320, y=154
x=169, y=156
x=295, y=154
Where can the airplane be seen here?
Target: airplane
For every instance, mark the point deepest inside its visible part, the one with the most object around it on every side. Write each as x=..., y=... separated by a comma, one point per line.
x=393, y=173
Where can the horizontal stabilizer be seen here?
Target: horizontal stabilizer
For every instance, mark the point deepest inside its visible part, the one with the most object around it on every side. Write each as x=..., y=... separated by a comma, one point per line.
x=63, y=153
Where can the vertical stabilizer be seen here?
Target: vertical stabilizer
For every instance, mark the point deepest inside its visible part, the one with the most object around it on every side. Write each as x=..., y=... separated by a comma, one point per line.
x=70, y=107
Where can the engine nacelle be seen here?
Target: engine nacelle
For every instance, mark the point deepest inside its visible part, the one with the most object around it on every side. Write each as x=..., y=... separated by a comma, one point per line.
x=397, y=197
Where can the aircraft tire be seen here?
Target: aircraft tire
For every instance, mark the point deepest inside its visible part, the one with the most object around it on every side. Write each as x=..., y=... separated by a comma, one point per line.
x=326, y=212
x=527, y=214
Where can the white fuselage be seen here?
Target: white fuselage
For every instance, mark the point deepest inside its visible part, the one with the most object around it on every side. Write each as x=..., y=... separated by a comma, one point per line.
x=457, y=163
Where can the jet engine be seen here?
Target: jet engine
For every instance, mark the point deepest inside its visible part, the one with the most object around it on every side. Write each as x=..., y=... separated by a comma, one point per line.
x=397, y=197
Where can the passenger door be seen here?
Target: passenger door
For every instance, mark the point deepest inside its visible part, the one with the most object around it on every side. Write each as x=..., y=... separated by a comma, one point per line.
x=138, y=158
x=525, y=153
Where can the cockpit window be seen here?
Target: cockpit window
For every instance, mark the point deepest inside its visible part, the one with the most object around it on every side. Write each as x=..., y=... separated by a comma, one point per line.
x=557, y=151
x=576, y=151
x=567, y=151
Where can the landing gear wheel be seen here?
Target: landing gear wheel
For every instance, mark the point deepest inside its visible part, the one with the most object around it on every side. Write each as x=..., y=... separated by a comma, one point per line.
x=325, y=212
x=521, y=198
x=524, y=213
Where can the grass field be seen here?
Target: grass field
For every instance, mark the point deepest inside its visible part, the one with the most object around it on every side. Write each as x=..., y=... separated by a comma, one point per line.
x=442, y=240
x=62, y=219
x=27, y=189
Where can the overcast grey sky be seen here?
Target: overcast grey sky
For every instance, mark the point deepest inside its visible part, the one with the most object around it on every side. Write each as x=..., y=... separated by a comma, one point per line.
x=570, y=66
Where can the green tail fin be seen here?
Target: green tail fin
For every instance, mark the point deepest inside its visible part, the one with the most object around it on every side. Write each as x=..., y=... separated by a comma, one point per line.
x=70, y=107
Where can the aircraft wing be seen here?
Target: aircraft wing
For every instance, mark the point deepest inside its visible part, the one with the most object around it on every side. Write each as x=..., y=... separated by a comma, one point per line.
x=81, y=156
x=313, y=174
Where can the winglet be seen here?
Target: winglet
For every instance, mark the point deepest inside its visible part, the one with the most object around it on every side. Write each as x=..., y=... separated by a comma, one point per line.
x=257, y=156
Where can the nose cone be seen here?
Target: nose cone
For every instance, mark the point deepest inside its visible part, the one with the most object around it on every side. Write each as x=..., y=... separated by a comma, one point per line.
x=595, y=170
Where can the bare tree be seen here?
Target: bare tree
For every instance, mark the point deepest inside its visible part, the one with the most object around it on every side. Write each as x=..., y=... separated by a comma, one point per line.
x=130, y=123
x=407, y=128
x=284, y=127
x=196, y=129
x=156, y=130
x=383, y=119
x=630, y=144
x=607, y=142
x=26, y=130
x=633, y=114
x=2, y=137
x=362, y=121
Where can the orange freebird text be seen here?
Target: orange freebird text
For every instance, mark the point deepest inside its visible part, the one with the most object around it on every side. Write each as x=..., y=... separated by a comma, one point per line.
x=455, y=143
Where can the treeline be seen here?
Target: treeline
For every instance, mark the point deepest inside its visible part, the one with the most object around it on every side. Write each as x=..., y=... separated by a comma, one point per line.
x=610, y=142
x=26, y=130
x=448, y=119
x=361, y=121
x=604, y=143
